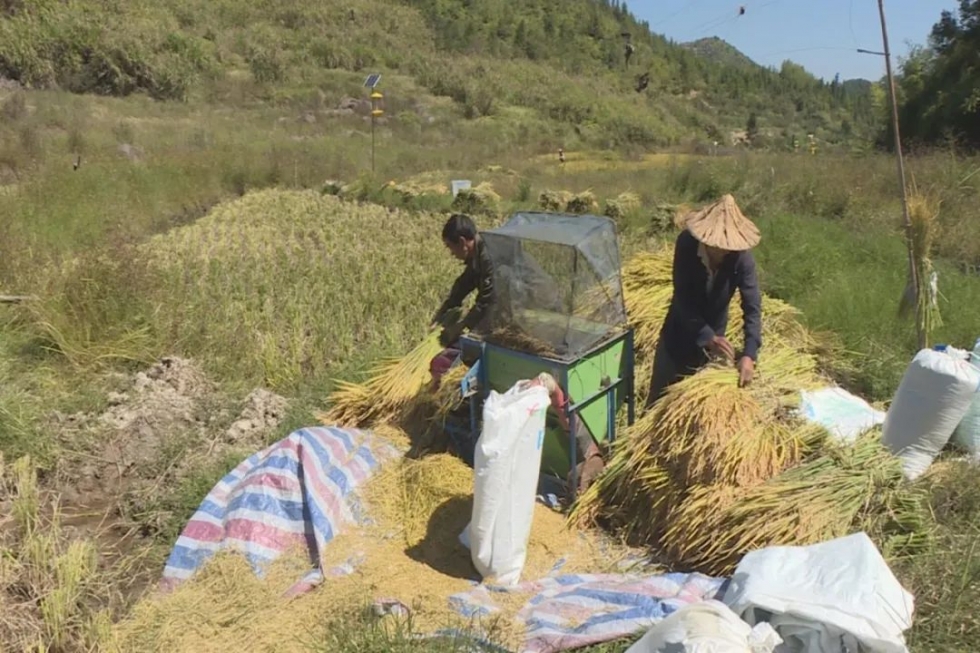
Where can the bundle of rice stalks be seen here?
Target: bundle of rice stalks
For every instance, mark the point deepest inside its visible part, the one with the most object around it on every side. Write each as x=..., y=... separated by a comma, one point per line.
x=708, y=430
x=448, y=398
x=410, y=190
x=392, y=388
x=647, y=290
x=838, y=491
x=667, y=217
x=923, y=213
x=624, y=204
x=482, y=199
x=635, y=510
x=554, y=200
x=584, y=202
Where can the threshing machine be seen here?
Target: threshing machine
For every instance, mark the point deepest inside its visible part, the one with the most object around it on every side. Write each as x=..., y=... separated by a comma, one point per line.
x=558, y=309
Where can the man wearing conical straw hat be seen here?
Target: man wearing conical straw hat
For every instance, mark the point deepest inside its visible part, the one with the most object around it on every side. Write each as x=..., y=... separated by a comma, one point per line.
x=712, y=259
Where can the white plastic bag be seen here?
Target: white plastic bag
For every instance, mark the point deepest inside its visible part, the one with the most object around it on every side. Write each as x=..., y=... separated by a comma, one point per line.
x=706, y=627
x=967, y=434
x=825, y=598
x=507, y=463
x=932, y=399
x=843, y=414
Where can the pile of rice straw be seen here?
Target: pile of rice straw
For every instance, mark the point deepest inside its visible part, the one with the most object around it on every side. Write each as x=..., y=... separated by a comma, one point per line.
x=714, y=471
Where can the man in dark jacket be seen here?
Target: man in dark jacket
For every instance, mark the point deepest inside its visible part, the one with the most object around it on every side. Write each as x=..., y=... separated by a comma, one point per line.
x=460, y=236
x=712, y=258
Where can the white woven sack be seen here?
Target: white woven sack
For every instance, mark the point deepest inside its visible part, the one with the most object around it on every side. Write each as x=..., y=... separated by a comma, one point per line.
x=934, y=396
x=967, y=434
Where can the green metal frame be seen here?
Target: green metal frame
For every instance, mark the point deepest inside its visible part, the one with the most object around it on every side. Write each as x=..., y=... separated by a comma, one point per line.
x=597, y=384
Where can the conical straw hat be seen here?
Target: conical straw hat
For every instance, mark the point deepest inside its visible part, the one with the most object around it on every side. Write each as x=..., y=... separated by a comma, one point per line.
x=722, y=225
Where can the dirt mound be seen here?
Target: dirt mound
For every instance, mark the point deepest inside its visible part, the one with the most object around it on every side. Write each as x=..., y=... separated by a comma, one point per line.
x=263, y=412
x=164, y=399
x=163, y=418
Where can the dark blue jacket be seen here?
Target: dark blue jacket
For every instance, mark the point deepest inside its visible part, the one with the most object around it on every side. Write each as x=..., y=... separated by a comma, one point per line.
x=696, y=315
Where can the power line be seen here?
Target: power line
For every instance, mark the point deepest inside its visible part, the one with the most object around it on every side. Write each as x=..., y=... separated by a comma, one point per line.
x=680, y=11
x=713, y=23
x=819, y=47
x=851, y=24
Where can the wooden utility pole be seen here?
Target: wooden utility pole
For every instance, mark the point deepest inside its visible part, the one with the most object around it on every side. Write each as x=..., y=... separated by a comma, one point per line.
x=913, y=275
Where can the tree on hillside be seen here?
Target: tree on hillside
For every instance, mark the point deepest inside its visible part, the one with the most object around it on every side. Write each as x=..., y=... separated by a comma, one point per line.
x=752, y=127
x=940, y=85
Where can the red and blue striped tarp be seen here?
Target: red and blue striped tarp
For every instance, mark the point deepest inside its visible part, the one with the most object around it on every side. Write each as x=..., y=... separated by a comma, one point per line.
x=297, y=492
x=571, y=611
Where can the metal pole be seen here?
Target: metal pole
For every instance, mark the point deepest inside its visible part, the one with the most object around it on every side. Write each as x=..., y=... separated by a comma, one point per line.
x=372, y=141
x=913, y=276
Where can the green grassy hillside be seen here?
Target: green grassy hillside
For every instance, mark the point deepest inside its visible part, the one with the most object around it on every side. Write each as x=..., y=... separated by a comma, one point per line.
x=556, y=66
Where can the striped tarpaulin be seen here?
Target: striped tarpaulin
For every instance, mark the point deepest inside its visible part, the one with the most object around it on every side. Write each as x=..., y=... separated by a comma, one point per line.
x=295, y=493
x=575, y=610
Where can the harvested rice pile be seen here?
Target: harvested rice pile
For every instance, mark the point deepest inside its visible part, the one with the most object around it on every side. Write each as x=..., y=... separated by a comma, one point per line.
x=622, y=205
x=714, y=471
x=411, y=554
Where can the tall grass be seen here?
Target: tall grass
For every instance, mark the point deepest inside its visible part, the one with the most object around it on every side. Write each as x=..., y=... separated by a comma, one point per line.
x=51, y=588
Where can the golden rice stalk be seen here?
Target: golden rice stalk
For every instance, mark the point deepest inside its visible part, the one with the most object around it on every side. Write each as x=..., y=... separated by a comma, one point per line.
x=636, y=510
x=704, y=431
x=624, y=204
x=554, y=200
x=448, y=397
x=709, y=430
x=685, y=521
x=923, y=214
x=394, y=384
x=843, y=489
x=584, y=202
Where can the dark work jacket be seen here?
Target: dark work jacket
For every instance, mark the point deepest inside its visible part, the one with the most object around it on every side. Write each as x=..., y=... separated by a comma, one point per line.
x=696, y=315
x=477, y=275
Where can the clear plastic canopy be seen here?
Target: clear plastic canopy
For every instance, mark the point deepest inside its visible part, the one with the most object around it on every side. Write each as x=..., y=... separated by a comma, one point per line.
x=557, y=282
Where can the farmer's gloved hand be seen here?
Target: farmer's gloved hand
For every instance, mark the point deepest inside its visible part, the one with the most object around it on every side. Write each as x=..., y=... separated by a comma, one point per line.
x=450, y=335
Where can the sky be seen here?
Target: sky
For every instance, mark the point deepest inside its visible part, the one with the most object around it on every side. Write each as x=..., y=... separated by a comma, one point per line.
x=821, y=35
